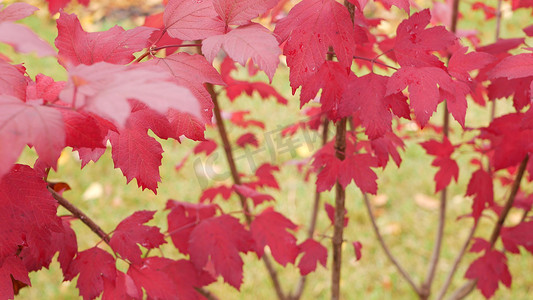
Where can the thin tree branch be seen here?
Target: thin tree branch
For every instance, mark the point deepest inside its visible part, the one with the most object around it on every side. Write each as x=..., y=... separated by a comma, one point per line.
x=237, y=180
x=468, y=287
x=496, y=38
x=391, y=257
x=314, y=214
x=458, y=259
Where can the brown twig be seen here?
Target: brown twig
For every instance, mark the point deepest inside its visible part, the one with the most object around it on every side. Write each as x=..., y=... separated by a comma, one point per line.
x=496, y=38
x=385, y=248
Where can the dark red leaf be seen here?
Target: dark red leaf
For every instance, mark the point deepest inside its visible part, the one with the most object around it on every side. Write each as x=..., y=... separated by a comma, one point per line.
x=330, y=211
x=519, y=235
x=92, y=274
x=480, y=186
x=247, y=139
x=489, y=270
x=313, y=252
x=357, y=246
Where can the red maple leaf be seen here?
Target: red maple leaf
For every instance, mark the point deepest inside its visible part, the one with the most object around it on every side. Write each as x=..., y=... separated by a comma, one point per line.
x=207, y=146
x=104, y=89
x=131, y=232
x=489, y=270
x=113, y=46
x=330, y=211
x=489, y=11
x=23, y=123
x=92, y=274
x=219, y=240
x=313, y=252
x=236, y=87
x=182, y=219
x=11, y=267
x=13, y=81
x=448, y=168
x=519, y=235
x=309, y=29
x=55, y=5
x=357, y=246
x=402, y=4
x=516, y=66
x=123, y=287
x=247, y=139
x=44, y=88
x=208, y=195
x=269, y=228
x=252, y=41
x=461, y=63
x=241, y=12
x=415, y=44
x=386, y=146
x=480, y=186
x=265, y=177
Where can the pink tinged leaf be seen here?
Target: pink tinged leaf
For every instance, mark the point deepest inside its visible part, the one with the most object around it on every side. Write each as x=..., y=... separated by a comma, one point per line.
x=366, y=95
x=87, y=155
x=501, y=46
x=461, y=63
x=480, y=186
x=11, y=267
x=21, y=124
x=519, y=235
x=313, y=253
x=357, y=168
x=113, y=46
x=252, y=41
x=91, y=279
x=44, y=88
x=414, y=43
x=516, y=66
x=24, y=40
x=402, y=4
x=528, y=30
x=16, y=11
x=138, y=156
x=12, y=81
x=220, y=240
x=131, y=232
x=240, y=12
x=489, y=270
x=247, y=139
x=310, y=28
x=192, y=20
x=270, y=228
x=248, y=192
x=55, y=5
x=357, y=246
x=423, y=88
x=330, y=211
x=182, y=219
x=104, y=89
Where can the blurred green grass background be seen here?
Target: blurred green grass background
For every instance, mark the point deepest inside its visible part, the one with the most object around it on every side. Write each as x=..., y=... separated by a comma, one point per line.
x=405, y=208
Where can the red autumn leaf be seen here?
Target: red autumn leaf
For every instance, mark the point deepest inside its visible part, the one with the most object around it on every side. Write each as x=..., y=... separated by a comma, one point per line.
x=461, y=63
x=528, y=30
x=489, y=11
x=402, y=4
x=13, y=82
x=265, y=177
x=104, y=89
x=516, y=66
x=330, y=211
x=24, y=39
x=509, y=140
x=357, y=168
x=131, y=232
x=247, y=139
x=501, y=46
x=519, y=235
x=241, y=12
x=423, y=88
x=67, y=245
x=219, y=240
x=313, y=252
x=269, y=228
x=236, y=87
x=332, y=78
x=309, y=29
x=480, y=186
x=357, y=246
x=44, y=88
x=237, y=118
x=209, y=194
x=207, y=147
x=327, y=177
x=113, y=46
x=252, y=41
x=24, y=123
x=83, y=130
x=11, y=267
x=489, y=270
x=248, y=192
x=93, y=265
x=123, y=287
x=448, y=168
x=366, y=96
x=414, y=43
x=192, y=20
x=182, y=219
x=385, y=146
